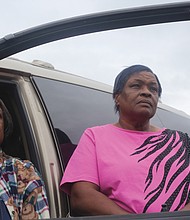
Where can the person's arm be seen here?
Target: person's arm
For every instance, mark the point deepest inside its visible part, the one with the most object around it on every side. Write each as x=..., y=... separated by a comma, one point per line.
x=32, y=190
x=186, y=208
x=35, y=205
x=86, y=199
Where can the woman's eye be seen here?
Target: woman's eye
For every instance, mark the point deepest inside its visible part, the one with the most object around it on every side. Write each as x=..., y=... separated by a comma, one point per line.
x=135, y=86
x=154, y=89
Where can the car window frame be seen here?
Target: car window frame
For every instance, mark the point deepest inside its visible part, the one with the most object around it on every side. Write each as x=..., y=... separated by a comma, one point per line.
x=102, y=21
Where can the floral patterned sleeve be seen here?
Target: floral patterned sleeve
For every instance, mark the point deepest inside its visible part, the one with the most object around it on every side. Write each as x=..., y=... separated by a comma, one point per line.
x=35, y=204
x=23, y=190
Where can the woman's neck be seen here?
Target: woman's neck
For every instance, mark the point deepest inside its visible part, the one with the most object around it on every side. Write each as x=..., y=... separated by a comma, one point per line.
x=136, y=126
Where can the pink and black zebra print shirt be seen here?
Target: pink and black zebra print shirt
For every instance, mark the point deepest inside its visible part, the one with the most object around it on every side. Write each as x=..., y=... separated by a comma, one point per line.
x=140, y=171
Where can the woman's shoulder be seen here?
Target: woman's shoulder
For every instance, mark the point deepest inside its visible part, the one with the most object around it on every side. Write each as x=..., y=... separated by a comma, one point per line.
x=175, y=132
x=26, y=169
x=99, y=128
x=22, y=168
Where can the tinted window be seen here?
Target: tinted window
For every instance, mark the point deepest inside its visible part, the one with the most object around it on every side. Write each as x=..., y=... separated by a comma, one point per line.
x=174, y=121
x=74, y=108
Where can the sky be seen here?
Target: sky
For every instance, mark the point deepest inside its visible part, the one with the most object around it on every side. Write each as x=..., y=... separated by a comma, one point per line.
x=101, y=56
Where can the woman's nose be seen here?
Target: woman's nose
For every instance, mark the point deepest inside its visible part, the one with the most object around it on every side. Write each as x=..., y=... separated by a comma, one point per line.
x=145, y=91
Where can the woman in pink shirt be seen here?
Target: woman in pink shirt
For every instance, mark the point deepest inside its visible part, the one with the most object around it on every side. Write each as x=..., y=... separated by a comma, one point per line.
x=130, y=166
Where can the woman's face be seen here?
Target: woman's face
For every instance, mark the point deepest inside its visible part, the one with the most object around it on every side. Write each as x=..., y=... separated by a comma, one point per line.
x=1, y=126
x=139, y=97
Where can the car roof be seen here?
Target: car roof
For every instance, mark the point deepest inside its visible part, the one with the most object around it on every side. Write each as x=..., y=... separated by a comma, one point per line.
x=46, y=70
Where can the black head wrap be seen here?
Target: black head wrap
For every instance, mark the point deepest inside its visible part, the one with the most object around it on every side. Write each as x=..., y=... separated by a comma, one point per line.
x=125, y=74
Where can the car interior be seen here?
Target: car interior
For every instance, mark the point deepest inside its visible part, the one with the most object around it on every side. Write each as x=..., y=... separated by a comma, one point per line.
x=20, y=143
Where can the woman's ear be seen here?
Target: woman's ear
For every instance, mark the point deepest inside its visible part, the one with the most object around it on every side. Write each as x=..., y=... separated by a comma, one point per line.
x=117, y=97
